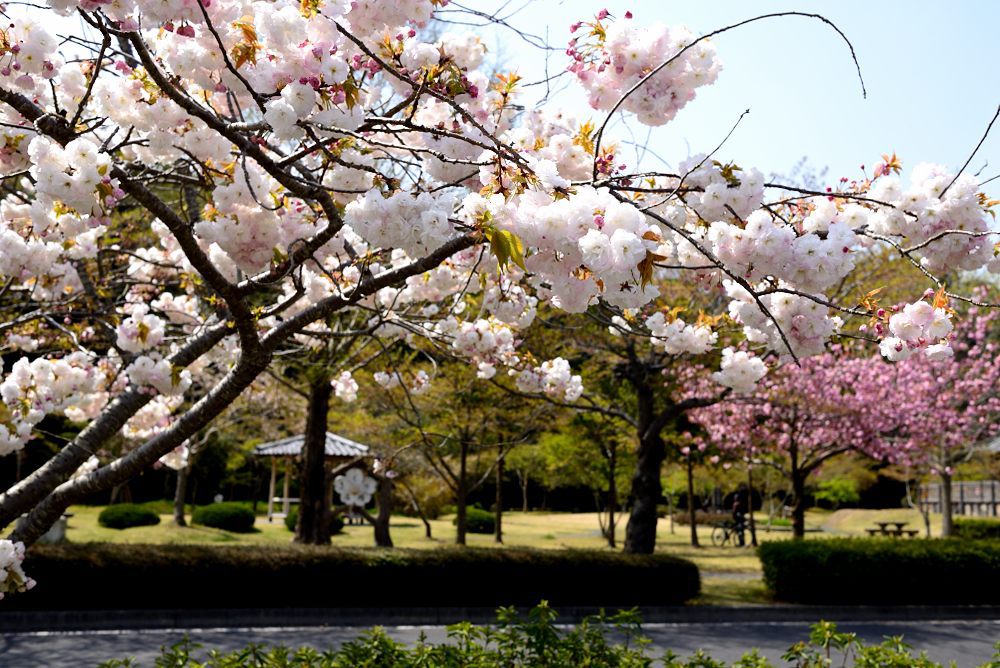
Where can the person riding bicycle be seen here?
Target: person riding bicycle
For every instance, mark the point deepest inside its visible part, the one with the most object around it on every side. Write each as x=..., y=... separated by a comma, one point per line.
x=739, y=521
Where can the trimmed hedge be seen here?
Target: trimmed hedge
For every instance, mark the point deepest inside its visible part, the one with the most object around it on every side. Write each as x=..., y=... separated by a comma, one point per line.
x=119, y=576
x=882, y=571
x=478, y=520
x=228, y=515
x=127, y=515
x=976, y=528
x=336, y=522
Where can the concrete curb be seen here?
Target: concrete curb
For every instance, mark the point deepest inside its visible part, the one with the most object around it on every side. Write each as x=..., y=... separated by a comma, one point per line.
x=29, y=621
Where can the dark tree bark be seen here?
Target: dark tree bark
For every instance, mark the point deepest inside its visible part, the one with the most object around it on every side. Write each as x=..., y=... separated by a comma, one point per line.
x=461, y=494
x=180, y=493
x=799, y=493
x=753, y=525
x=498, y=529
x=382, y=537
x=947, y=512
x=524, y=491
x=612, y=494
x=640, y=533
x=692, y=511
x=313, y=526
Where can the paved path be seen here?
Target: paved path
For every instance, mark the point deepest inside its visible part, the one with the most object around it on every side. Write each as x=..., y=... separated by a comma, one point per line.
x=968, y=643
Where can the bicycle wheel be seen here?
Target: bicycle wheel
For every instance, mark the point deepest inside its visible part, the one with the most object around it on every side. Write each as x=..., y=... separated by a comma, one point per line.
x=719, y=536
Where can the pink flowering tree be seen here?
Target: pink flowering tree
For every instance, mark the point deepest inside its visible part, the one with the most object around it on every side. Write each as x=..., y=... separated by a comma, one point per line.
x=801, y=416
x=948, y=409
x=191, y=186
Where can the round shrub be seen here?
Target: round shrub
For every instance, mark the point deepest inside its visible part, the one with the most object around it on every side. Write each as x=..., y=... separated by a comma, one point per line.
x=125, y=515
x=336, y=522
x=478, y=520
x=229, y=516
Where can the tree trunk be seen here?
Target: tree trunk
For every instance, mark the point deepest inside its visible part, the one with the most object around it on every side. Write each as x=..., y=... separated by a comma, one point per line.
x=179, y=495
x=382, y=537
x=460, y=495
x=498, y=529
x=524, y=492
x=799, y=509
x=612, y=495
x=313, y=526
x=753, y=524
x=640, y=534
x=692, y=511
x=947, y=512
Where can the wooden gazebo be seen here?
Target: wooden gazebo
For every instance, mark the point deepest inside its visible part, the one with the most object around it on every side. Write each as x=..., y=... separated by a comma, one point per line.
x=339, y=450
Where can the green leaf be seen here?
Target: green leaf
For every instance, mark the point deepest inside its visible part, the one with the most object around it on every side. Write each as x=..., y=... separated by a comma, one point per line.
x=506, y=247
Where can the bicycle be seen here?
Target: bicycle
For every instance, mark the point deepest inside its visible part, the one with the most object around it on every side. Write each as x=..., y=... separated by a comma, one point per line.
x=723, y=533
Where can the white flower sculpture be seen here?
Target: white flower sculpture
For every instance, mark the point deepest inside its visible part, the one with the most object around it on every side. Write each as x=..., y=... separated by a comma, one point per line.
x=355, y=488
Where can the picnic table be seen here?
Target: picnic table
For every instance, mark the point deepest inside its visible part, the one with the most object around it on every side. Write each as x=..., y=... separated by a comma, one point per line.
x=898, y=531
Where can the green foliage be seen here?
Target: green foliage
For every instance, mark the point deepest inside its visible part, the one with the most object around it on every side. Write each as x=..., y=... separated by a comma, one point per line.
x=837, y=491
x=117, y=576
x=702, y=517
x=228, y=515
x=433, y=495
x=478, y=520
x=336, y=522
x=125, y=515
x=882, y=571
x=976, y=528
x=534, y=641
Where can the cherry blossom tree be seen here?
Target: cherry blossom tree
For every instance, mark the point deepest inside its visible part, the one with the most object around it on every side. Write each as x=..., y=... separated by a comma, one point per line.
x=801, y=416
x=188, y=186
x=949, y=409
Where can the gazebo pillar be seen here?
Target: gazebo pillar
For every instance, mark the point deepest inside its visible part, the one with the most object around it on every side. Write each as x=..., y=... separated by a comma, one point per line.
x=270, y=489
x=286, y=502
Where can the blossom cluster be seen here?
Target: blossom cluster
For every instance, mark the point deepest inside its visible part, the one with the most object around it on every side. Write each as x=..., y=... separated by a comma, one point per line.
x=677, y=337
x=12, y=576
x=416, y=225
x=595, y=242
x=766, y=248
x=918, y=326
x=345, y=387
x=615, y=56
x=740, y=371
x=789, y=323
x=939, y=210
x=553, y=378
x=156, y=372
x=36, y=388
x=177, y=458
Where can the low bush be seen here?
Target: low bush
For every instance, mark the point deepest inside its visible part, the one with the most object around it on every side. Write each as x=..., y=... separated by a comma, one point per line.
x=230, y=516
x=336, y=522
x=702, y=517
x=976, y=528
x=478, y=520
x=882, y=571
x=126, y=515
x=535, y=641
x=120, y=576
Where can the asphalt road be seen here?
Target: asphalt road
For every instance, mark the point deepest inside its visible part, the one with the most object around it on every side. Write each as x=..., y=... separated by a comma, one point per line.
x=968, y=643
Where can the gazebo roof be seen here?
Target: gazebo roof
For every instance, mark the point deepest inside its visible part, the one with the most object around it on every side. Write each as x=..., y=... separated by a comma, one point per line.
x=336, y=446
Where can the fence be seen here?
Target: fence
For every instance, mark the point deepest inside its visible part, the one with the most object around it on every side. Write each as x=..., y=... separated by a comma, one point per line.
x=979, y=498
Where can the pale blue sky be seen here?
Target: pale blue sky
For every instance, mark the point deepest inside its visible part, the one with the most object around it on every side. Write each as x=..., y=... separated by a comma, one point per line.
x=932, y=70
